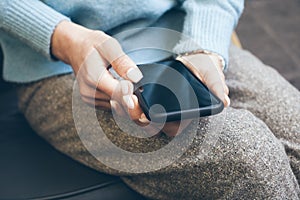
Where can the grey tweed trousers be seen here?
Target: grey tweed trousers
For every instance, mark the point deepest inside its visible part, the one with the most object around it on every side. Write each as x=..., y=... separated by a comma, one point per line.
x=256, y=156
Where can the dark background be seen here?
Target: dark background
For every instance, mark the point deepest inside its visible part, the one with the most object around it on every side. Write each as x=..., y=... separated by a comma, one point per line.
x=270, y=29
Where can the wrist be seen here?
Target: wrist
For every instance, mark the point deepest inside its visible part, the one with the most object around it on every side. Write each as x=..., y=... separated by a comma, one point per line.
x=214, y=57
x=64, y=39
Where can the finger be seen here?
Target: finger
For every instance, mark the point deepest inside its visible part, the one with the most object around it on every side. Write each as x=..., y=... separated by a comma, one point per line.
x=123, y=94
x=90, y=92
x=127, y=69
x=217, y=88
x=93, y=67
x=143, y=119
x=204, y=68
x=218, y=68
x=226, y=90
x=94, y=73
x=137, y=113
x=107, y=83
x=214, y=80
x=116, y=107
x=104, y=105
x=138, y=116
x=217, y=85
x=112, y=51
x=103, y=88
x=101, y=96
x=192, y=67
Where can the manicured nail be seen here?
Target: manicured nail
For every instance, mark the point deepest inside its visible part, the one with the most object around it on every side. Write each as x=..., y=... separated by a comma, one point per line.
x=143, y=119
x=115, y=106
x=124, y=87
x=227, y=100
x=129, y=102
x=134, y=74
x=127, y=87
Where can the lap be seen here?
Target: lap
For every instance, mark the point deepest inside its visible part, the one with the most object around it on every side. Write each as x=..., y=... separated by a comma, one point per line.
x=247, y=162
x=263, y=91
x=253, y=87
x=246, y=156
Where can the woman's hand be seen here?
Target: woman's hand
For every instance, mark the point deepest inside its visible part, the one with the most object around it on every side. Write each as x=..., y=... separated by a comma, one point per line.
x=90, y=53
x=208, y=68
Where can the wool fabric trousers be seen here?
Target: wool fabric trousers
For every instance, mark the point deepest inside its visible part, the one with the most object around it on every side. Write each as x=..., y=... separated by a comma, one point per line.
x=256, y=154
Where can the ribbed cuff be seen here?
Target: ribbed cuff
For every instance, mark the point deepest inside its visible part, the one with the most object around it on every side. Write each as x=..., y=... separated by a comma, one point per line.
x=33, y=22
x=208, y=28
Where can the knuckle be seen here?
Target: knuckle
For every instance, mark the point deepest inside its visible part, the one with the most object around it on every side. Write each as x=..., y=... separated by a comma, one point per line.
x=85, y=100
x=113, y=41
x=90, y=81
x=222, y=76
x=99, y=104
x=120, y=61
x=85, y=93
x=97, y=34
x=216, y=85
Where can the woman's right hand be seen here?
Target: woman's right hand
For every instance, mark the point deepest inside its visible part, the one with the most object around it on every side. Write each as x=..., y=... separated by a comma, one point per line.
x=90, y=52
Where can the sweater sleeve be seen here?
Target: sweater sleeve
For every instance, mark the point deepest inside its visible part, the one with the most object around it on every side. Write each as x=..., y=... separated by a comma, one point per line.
x=208, y=25
x=32, y=21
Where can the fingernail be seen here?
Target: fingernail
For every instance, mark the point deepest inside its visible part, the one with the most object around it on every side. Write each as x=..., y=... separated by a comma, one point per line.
x=124, y=87
x=128, y=100
x=227, y=100
x=113, y=104
x=134, y=74
x=143, y=119
x=116, y=107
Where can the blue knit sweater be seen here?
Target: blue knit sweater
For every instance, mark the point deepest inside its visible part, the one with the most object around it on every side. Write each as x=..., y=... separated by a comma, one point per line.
x=26, y=27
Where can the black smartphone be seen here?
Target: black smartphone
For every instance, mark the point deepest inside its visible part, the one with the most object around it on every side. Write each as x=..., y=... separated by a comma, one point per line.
x=170, y=92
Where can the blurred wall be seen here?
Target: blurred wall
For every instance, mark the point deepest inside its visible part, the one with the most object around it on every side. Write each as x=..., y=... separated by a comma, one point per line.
x=270, y=29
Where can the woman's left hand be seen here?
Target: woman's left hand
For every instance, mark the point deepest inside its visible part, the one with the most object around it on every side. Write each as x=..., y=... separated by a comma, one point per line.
x=208, y=68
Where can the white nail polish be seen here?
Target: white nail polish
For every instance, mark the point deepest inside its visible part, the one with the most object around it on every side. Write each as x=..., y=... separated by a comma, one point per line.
x=227, y=100
x=128, y=100
x=134, y=74
x=124, y=87
x=113, y=104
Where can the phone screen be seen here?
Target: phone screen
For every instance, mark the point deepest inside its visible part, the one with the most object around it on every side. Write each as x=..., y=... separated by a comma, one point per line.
x=170, y=92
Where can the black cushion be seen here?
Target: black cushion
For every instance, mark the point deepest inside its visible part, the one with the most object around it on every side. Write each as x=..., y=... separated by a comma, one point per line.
x=32, y=169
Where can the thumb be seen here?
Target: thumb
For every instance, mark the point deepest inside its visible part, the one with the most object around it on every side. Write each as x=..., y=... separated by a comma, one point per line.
x=206, y=70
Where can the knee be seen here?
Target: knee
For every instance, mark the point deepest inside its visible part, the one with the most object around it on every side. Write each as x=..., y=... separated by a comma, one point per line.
x=246, y=139
x=247, y=162
x=252, y=159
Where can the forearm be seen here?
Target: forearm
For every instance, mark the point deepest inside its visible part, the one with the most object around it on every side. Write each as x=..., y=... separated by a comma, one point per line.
x=31, y=21
x=210, y=24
